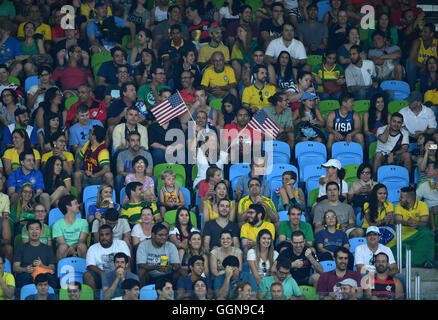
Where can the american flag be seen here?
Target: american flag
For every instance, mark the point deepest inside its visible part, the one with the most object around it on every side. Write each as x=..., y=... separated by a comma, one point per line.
x=170, y=108
x=261, y=122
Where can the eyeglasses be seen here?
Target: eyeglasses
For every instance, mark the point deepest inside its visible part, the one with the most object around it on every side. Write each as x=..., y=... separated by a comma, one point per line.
x=254, y=185
x=365, y=172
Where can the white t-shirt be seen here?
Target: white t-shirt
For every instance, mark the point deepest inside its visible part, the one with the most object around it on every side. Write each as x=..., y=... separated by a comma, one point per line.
x=225, y=12
x=425, y=120
x=296, y=49
x=322, y=191
x=103, y=258
x=363, y=255
x=137, y=231
x=251, y=256
x=387, y=147
x=119, y=230
x=363, y=76
x=424, y=193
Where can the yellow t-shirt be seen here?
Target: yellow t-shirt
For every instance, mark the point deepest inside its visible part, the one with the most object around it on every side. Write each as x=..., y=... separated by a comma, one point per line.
x=207, y=51
x=211, y=78
x=245, y=202
x=48, y=155
x=250, y=232
x=12, y=155
x=213, y=214
x=43, y=29
x=9, y=281
x=251, y=95
x=432, y=96
x=4, y=203
x=420, y=209
x=387, y=207
x=85, y=11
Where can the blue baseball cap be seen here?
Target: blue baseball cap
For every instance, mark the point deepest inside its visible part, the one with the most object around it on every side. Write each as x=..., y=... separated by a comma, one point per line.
x=308, y=96
x=99, y=4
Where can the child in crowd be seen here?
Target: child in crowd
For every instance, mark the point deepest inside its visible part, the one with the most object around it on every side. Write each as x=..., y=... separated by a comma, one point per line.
x=171, y=197
x=289, y=195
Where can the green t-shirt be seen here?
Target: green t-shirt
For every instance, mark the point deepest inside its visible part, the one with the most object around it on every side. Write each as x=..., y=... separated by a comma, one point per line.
x=44, y=238
x=71, y=233
x=290, y=287
x=145, y=93
x=7, y=9
x=286, y=230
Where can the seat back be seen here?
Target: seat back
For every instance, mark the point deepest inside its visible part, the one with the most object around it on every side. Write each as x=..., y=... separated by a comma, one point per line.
x=311, y=175
x=354, y=242
x=55, y=214
x=312, y=196
x=170, y=217
x=310, y=152
x=361, y=106
x=283, y=215
x=392, y=175
x=309, y=292
x=216, y=104
x=347, y=153
x=7, y=267
x=401, y=89
x=187, y=196
x=236, y=171
x=396, y=105
x=351, y=173
x=279, y=150
x=148, y=293
x=325, y=106
x=31, y=81
x=86, y=294
x=30, y=289
x=328, y=265
x=71, y=269
x=179, y=170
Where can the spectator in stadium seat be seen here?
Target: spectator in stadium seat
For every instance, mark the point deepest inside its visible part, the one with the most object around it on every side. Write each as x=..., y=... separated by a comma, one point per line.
x=393, y=144
x=226, y=248
x=257, y=218
x=258, y=168
x=123, y=131
x=418, y=119
x=219, y=79
x=345, y=212
x=22, y=120
x=295, y=223
x=413, y=215
x=313, y=34
x=32, y=254
x=185, y=284
x=427, y=192
x=95, y=159
x=7, y=281
x=282, y=276
x=360, y=190
x=131, y=210
x=149, y=92
x=302, y=261
x=131, y=290
x=377, y=116
x=164, y=289
x=386, y=287
x=99, y=259
x=42, y=286
x=327, y=283
x=272, y=27
x=113, y=91
x=257, y=95
x=344, y=124
x=120, y=227
x=13, y=55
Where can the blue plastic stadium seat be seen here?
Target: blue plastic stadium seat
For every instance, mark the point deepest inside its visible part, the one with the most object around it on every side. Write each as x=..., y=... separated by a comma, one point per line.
x=236, y=171
x=401, y=89
x=328, y=265
x=309, y=152
x=279, y=150
x=71, y=269
x=347, y=153
x=354, y=242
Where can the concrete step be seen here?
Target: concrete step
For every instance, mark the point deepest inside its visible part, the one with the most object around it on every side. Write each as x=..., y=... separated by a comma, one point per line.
x=428, y=282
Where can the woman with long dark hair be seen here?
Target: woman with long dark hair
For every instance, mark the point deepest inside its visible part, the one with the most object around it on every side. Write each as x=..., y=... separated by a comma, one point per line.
x=195, y=247
x=179, y=235
x=261, y=258
x=45, y=134
x=139, y=15
x=242, y=50
x=210, y=207
x=57, y=182
x=8, y=105
x=139, y=166
x=283, y=68
x=376, y=117
x=230, y=105
x=21, y=143
x=188, y=62
x=53, y=102
x=143, y=71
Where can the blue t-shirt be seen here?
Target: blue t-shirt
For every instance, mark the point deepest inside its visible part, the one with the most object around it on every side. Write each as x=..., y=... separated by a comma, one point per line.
x=343, y=125
x=17, y=178
x=93, y=30
x=7, y=134
x=108, y=71
x=331, y=241
x=187, y=284
x=79, y=135
x=243, y=277
x=93, y=209
x=9, y=50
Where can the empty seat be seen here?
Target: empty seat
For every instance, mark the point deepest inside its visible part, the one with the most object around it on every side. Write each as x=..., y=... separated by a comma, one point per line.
x=347, y=153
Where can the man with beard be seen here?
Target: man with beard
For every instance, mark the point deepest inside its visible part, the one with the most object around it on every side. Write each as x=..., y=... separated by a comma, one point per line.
x=413, y=215
x=392, y=144
x=150, y=265
x=255, y=217
x=302, y=261
x=360, y=76
x=22, y=120
x=117, y=110
x=108, y=70
x=100, y=257
x=213, y=228
x=112, y=281
x=289, y=287
x=257, y=95
x=385, y=286
x=112, y=91
x=327, y=284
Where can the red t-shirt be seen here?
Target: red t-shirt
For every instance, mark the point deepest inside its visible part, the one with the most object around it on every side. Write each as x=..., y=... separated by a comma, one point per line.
x=188, y=97
x=246, y=134
x=71, y=77
x=203, y=188
x=97, y=111
x=396, y=17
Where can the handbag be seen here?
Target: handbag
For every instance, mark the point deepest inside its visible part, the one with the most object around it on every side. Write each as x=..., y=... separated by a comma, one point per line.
x=330, y=87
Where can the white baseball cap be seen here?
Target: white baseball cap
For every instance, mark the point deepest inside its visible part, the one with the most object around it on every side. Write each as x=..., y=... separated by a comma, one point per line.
x=373, y=229
x=332, y=163
x=348, y=282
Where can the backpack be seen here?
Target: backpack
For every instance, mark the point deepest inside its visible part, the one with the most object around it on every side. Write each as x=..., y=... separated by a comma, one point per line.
x=109, y=31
